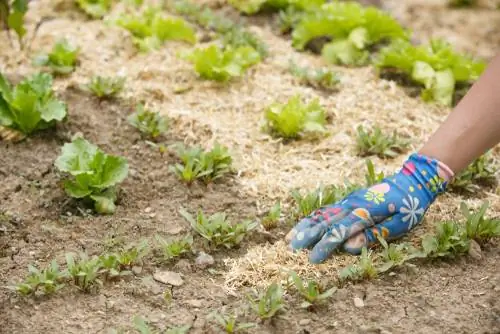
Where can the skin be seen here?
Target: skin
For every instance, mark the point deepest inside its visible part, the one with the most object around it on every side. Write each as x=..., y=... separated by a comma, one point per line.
x=474, y=125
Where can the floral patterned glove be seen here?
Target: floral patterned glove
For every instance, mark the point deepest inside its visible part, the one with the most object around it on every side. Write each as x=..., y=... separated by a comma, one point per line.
x=390, y=209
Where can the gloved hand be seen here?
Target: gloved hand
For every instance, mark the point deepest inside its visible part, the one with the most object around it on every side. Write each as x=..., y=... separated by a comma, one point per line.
x=389, y=209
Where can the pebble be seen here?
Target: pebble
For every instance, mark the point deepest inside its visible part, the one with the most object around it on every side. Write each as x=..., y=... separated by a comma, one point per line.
x=475, y=250
x=194, y=303
x=168, y=277
x=358, y=302
x=204, y=260
x=304, y=322
x=148, y=210
x=137, y=270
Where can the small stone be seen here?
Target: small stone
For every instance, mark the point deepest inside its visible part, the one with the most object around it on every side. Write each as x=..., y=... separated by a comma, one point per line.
x=358, y=302
x=304, y=322
x=168, y=277
x=475, y=250
x=204, y=260
x=194, y=303
x=137, y=270
x=148, y=210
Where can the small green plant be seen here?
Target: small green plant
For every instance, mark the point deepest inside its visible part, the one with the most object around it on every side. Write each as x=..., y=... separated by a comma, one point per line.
x=272, y=218
x=111, y=267
x=174, y=248
x=150, y=29
x=31, y=105
x=266, y=304
x=215, y=63
x=311, y=291
x=436, y=67
x=62, y=59
x=295, y=119
x=395, y=255
x=449, y=241
x=12, y=17
x=46, y=281
x=105, y=87
x=85, y=271
x=316, y=78
x=477, y=226
x=480, y=172
x=217, y=230
x=208, y=166
x=254, y=6
x=95, y=174
x=371, y=176
x=364, y=268
x=375, y=142
x=149, y=123
x=96, y=9
x=321, y=196
x=132, y=255
x=229, y=323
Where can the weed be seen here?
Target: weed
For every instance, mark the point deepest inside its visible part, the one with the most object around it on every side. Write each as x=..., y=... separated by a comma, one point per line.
x=229, y=323
x=269, y=302
x=375, y=142
x=272, y=218
x=323, y=195
x=316, y=78
x=132, y=255
x=46, y=281
x=174, y=248
x=449, y=241
x=217, y=230
x=480, y=172
x=148, y=122
x=85, y=271
x=371, y=177
x=105, y=87
x=363, y=269
x=310, y=291
x=111, y=267
x=477, y=226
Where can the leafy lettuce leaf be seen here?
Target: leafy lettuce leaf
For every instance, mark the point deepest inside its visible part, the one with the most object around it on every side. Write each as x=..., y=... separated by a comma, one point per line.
x=95, y=8
x=254, y=6
x=95, y=173
x=62, y=59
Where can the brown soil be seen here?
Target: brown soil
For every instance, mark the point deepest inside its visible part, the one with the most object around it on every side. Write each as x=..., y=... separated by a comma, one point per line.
x=39, y=223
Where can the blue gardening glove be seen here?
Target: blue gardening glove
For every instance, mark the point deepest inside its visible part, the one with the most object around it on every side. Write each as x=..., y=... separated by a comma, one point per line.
x=390, y=209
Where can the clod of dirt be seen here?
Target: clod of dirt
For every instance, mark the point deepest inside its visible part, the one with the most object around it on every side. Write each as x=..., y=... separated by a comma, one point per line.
x=358, y=302
x=475, y=251
x=183, y=266
x=168, y=277
x=204, y=260
x=304, y=322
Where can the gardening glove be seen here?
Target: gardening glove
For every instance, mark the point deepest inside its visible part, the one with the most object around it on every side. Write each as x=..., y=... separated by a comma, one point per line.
x=389, y=209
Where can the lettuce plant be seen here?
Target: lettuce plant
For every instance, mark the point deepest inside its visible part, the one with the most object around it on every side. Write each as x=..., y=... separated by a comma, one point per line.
x=95, y=174
x=12, y=17
x=96, y=9
x=150, y=29
x=254, y=6
x=437, y=67
x=105, y=87
x=149, y=123
x=215, y=63
x=30, y=105
x=62, y=59
x=352, y=27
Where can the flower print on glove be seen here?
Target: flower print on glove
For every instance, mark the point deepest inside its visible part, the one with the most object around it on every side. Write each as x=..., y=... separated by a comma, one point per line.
x=390, y=209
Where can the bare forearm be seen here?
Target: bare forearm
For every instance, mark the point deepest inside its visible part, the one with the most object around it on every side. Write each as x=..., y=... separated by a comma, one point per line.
x=474, y=125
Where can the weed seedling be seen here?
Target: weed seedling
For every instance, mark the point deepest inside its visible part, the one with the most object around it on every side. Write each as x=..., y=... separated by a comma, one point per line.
x=105, y=87
x=12, y=18
x=316, y=78
x=62, y=59
x=310, y=291
x=229, y=323
x=375, y=142
x=149, y=123
x=85, y=271
x=324, y=195
x=272, y=218
x=269, y=302
x=217, y=230
x=96, y=9
x=395, y=255
x=111, y=267
x=363, y=269
x=371, y=177
x=133, y=255
x=174, y=248
x=479, y=173
x=477, y=226
x=47, y=281
x=449, y=241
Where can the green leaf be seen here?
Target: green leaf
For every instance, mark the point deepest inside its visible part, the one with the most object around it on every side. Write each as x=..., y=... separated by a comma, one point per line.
x=359, y=38
x=173, y=29
x=76, y=157
x=16, y=23
x=423, y=73
x=444, y=87
x=115, y=170
x=53, y=110
x=103, y=204
x=76, y=190
x=344, y=52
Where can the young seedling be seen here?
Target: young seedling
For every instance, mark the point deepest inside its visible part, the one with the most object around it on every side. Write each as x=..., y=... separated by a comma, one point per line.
x=375, y=142
x=205, y=165
x=363, y=269
x=269, y=302
x=480, y=172
x=175, y=248
x=395, y=255
x=229, y=323
x=111, y=267
x=450, y=240
x=150, y=29
x=85, y=271
x=95, y=174
x=272, y=218
x=289, y=18
x=132, y=255
x=217, y=230
x=12, y=17
x=295, y=119
x=311, y=292
x=29, y=106
x=316, y=78
x=477, y=226
x=96, y=9
x=46, y=281
x=323, y=195
x=63, y=58
x=371, y=177
x=149, y=123
x=105, y=87
x=215, y=63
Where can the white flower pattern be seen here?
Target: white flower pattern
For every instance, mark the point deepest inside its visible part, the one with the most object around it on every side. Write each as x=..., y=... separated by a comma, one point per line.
x=412, y=211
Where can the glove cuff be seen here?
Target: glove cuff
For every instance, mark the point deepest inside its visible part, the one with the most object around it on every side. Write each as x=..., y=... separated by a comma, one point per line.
x=430, y=172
